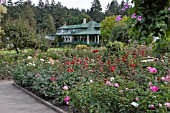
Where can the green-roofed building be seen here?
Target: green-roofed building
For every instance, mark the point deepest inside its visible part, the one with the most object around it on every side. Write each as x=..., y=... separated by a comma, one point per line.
x=85, y=33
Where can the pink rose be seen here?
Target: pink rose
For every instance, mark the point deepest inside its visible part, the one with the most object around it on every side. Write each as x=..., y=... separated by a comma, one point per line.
x=163, y=78
x=137, y=99
x=150, y=83
x=67, y=99
x=152, y=106
x=65, y=88
x=153, y=70
x=167, y=78
x=116, y=85
x=108, y=83
x=90, y=71
x=154, y=88
x=167, y=104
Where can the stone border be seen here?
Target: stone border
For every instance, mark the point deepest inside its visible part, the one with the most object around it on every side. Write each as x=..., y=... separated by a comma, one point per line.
x=58, y=110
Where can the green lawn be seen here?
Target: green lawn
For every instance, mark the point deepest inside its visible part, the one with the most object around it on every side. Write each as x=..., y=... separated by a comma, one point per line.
x=57, y=49
x=26, y=50
x=8, y=52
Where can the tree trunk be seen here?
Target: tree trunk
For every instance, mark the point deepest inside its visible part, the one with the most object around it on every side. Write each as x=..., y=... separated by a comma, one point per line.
x=16, y=49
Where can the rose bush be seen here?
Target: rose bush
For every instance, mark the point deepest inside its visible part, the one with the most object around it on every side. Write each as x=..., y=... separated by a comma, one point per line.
x=91, y=82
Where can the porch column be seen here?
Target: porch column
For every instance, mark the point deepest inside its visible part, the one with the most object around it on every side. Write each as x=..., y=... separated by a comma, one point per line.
x=87, y=39
x=64, y=39
x=95, y=39
x=98, y=39
x=71, y=38
x=80, y=38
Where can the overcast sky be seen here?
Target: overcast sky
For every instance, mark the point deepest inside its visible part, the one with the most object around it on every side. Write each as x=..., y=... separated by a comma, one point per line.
x=81, y=4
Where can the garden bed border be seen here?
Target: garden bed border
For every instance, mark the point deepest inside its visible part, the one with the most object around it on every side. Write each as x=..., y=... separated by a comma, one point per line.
x=48, y=104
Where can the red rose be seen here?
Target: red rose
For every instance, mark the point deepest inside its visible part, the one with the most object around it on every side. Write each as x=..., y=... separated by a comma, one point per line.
x=72, y=62
x=101, y=69
x=52, y=79
x=70, y=70
x=134, y=56
x=133, y=65
x=86, y=58
x=98, y=56
x=74, y=58
x=143, y=52
x=112, y=68
x=108, y=63
x=68, y=63
x=95, y=51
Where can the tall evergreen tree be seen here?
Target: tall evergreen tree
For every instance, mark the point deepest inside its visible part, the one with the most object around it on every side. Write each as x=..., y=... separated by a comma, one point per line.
x=41, y=16
x=50, y=24
x=47, y=3
x=40, y=4
x=96, y=11
x=28, y=14
x=9, y=3
x=113, y=8
x=53, y=2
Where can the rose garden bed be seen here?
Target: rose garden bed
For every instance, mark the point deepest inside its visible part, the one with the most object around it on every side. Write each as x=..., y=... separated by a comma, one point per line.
x=91, y=81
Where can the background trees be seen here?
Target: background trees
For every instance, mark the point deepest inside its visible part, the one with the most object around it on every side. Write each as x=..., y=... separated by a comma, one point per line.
x=49, y=13
x=2, y=11
x=96, y=11
x=47, y=17
x=19, y=35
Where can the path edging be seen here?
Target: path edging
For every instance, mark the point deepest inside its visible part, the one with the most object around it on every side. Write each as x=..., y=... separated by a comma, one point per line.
x=58, y=110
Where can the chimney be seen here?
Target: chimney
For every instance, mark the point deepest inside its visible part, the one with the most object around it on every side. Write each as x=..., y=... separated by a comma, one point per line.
x=84, y=21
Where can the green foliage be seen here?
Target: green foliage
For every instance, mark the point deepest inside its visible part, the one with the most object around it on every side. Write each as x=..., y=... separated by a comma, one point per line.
x=45, y=87
x=19, y=35
x=101, y=98
x=2, y=11
x=155, y=19
x=115, y=48
x=27, y=14
x=7, y=66
x=112, y=30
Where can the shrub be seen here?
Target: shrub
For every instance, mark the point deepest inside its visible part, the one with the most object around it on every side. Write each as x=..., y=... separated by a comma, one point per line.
x=116, y=48
x=81, y=47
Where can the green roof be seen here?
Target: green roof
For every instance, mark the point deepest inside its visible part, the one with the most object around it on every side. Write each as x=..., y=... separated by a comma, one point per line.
x=90, y=29
x=74, y=26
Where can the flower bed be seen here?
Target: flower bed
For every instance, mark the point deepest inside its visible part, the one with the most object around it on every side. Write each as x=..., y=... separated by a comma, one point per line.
x=90, y=81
